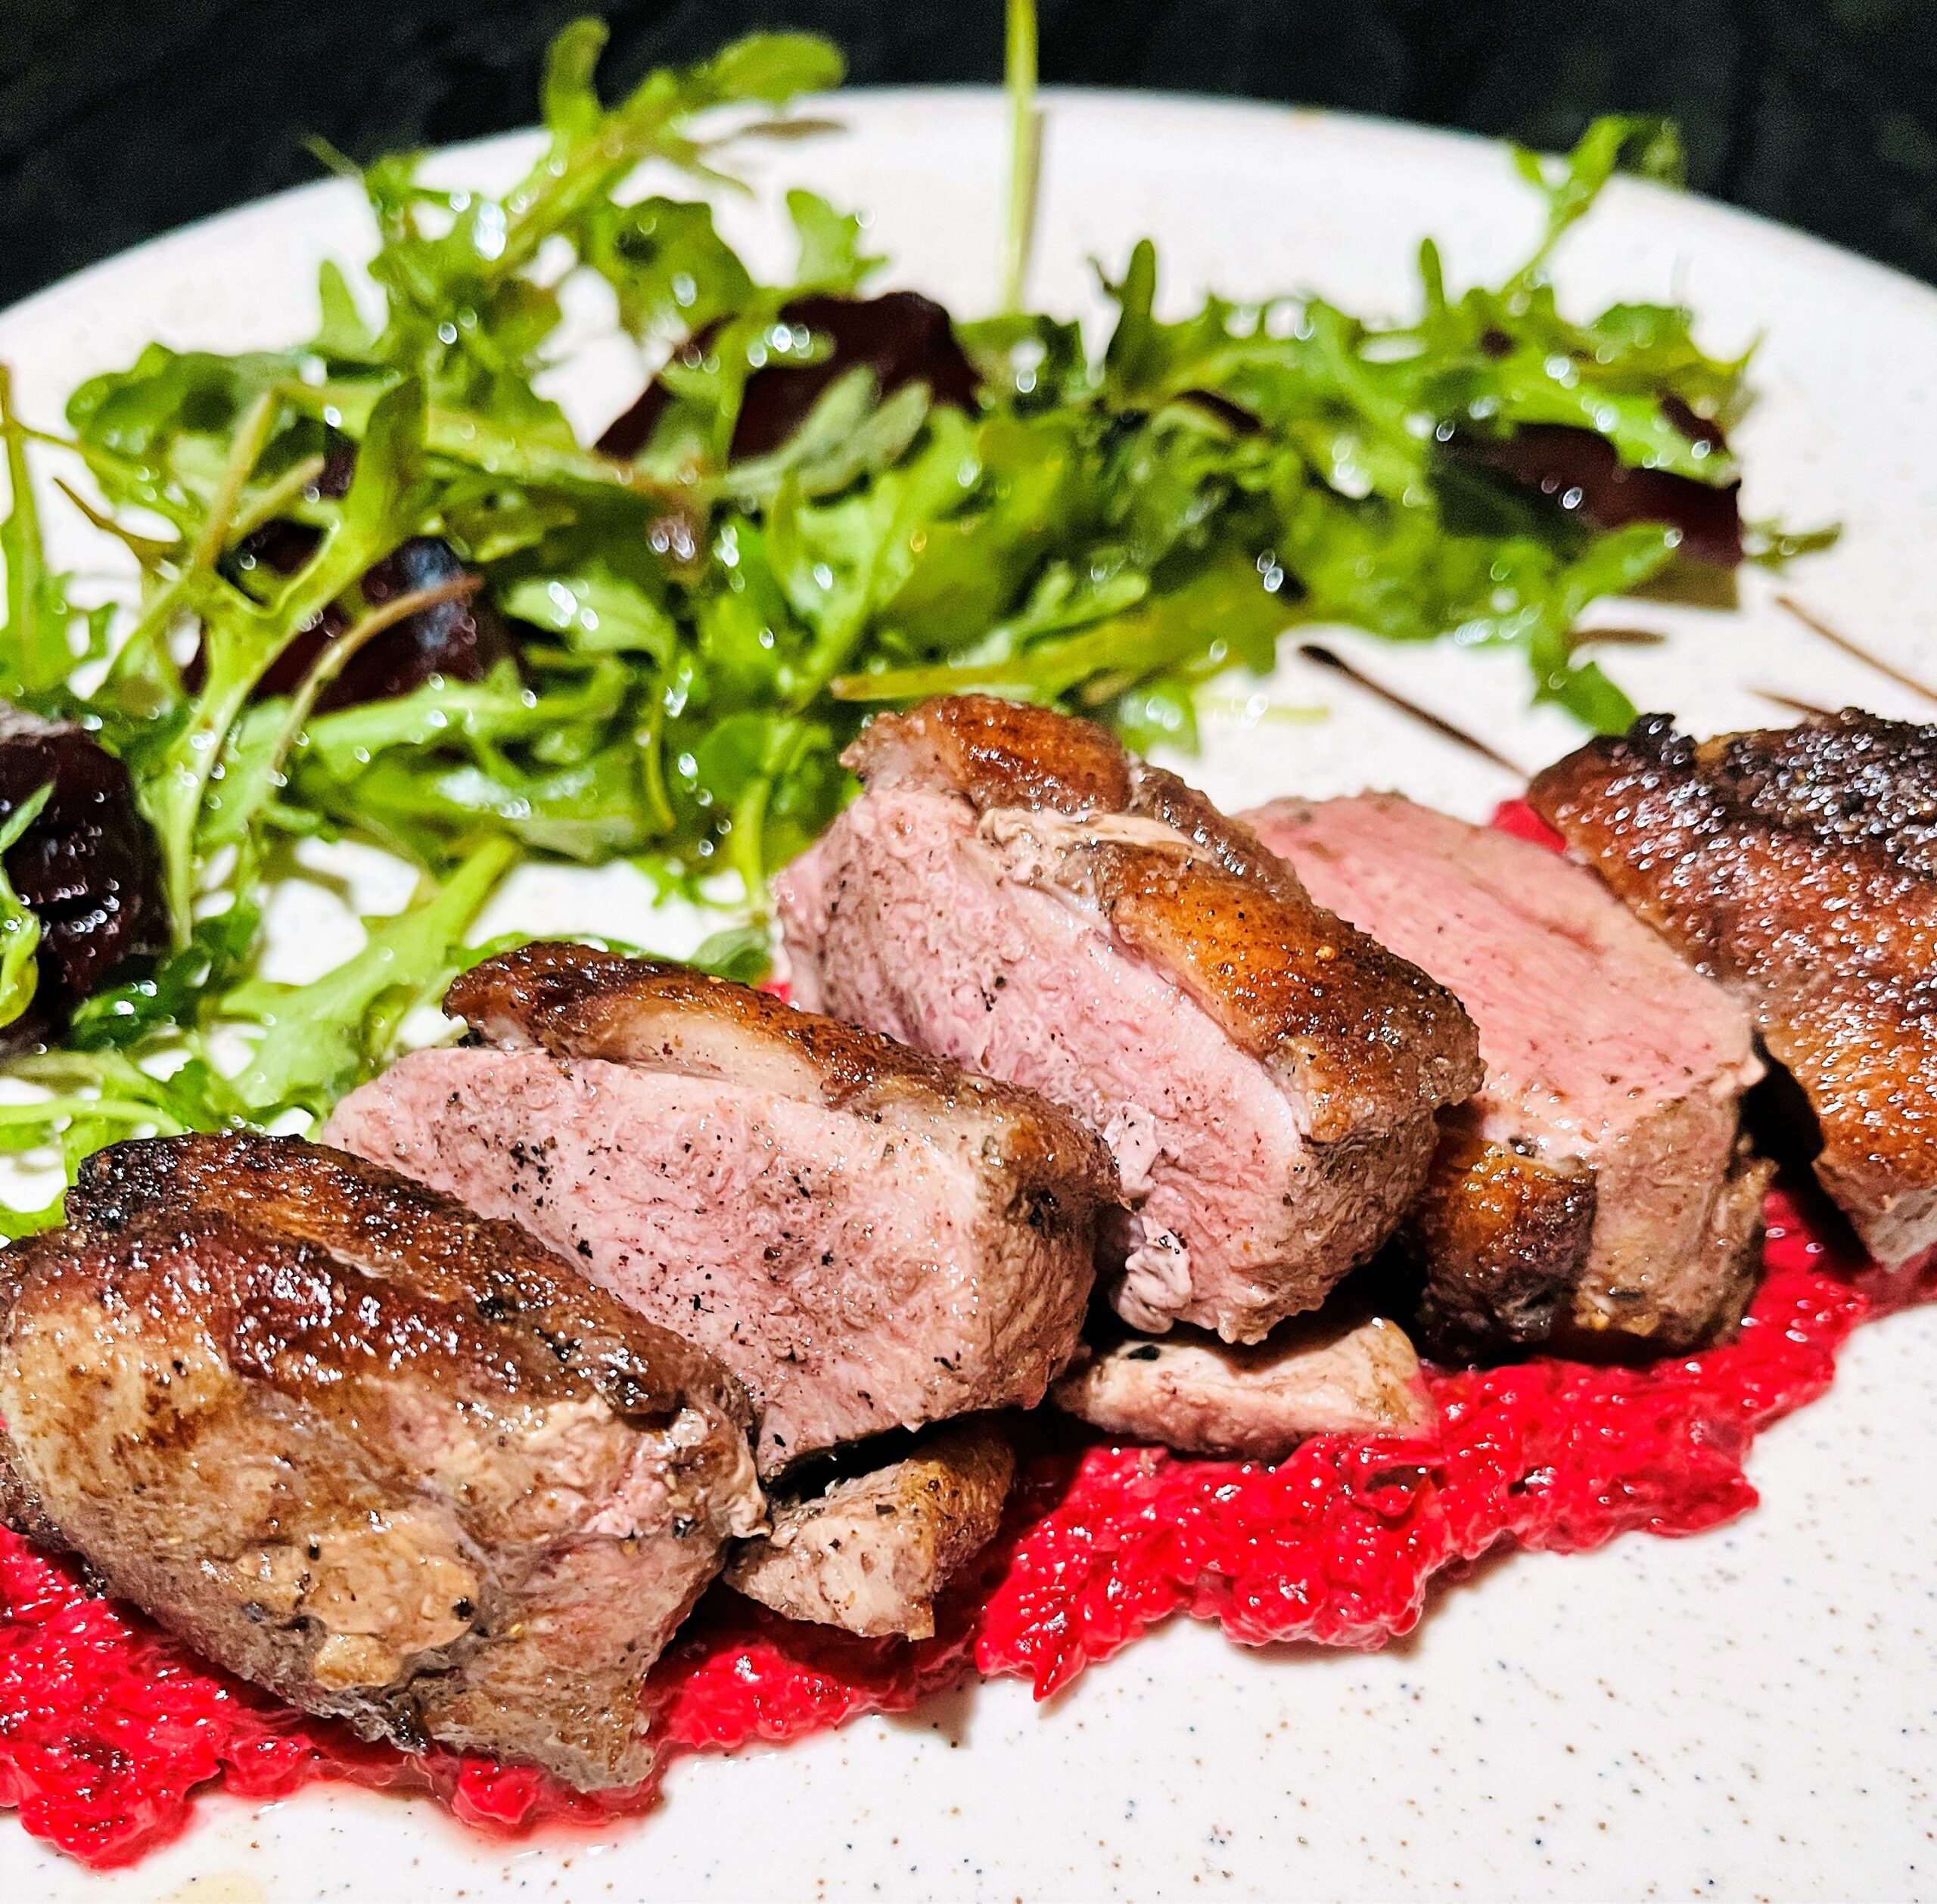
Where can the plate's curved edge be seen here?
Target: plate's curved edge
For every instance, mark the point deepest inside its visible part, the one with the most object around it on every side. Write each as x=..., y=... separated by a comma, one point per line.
x=1379, y=136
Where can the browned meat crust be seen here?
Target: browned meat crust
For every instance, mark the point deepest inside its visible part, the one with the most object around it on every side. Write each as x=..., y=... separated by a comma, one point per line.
x=872, y=1553
x=396, y=1227
x=576, y=1002
x=389, y=1460
x=999, y=753
x=1347, y=1374
x=1368, y=1041
x=1808, y=904
x=1853, y=778
x=1502, y=1239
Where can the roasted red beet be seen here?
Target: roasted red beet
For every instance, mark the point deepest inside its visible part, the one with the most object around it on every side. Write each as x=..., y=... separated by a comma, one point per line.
x=903, y=337
x=1581, y=471
x=461, y=640
x=88, y=866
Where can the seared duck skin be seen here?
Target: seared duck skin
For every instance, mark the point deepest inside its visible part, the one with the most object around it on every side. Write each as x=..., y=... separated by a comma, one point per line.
x=1795, y=866
x=399, y=1464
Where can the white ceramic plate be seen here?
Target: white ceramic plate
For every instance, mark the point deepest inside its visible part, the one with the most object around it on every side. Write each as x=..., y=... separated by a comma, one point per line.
x=1752, y=1713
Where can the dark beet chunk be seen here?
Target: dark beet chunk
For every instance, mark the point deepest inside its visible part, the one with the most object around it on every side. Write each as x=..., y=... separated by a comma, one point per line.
x=903, y=337
x=88, y=866
x=1580, y=471
x=461, y=641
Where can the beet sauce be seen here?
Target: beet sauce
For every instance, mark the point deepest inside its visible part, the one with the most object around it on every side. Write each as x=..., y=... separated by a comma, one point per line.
x=108, y=1729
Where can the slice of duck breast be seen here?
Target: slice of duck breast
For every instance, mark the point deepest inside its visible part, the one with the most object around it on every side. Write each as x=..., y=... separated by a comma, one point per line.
x=871, y=1553
x=398, y=1464
x=1595, y=1182
x=1015, y=892
x=1318, y=1375
x=1795, y=867
x=868, y=1238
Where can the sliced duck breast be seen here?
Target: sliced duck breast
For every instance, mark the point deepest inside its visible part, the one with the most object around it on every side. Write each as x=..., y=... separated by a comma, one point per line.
x=1595, y=1184
x=868, y=1238
x=1014, y=892
x=1795, y=867
x=398, y=1464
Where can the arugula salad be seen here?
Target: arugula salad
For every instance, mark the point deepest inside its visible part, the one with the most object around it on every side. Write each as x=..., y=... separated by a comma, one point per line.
x=824, y=502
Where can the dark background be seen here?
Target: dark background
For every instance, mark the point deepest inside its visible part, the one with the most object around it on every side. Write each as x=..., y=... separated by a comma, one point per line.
x=118, y=120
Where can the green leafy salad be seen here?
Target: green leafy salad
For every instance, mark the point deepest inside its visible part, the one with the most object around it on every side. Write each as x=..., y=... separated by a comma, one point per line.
x=689, y=628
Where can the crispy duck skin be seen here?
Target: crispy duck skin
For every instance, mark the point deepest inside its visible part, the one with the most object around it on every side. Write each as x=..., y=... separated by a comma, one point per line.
x=393, y=1461
x=1016, y=892
x=1790, y=866
x=871, y=1552
x=1854, y=779
x=870, y=1238
x=1502, y=1239
x=576, y=1002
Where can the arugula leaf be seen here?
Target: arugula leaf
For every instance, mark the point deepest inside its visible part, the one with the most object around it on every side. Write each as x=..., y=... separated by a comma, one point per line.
x=672, y=271
x=186, y=986
x=320, y=1039
x=830, y=257
x=35, y=655
x=1106, y=525
x=462, y=311
x=744, y=953
x=1650, y=148
x=597, y=611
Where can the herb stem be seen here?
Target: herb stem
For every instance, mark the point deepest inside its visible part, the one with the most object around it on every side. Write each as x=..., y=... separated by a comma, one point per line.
x=121, y=1109
x=1025, y=149
x=146, y=550
x=271, y=503
x=43, y=654
x=1889, y=670
x=749, y=827
x=251, y=435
